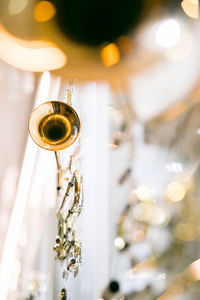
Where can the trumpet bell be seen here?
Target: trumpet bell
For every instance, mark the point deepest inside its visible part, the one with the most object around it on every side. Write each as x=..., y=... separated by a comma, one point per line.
x=54, y=125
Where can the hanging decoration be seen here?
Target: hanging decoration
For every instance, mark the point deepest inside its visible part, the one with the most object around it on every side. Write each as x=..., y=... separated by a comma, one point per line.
x=157, y=229
x=55, y=126
x=68, y=247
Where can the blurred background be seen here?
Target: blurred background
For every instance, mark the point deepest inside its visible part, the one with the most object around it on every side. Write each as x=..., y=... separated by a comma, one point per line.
x=131, y=70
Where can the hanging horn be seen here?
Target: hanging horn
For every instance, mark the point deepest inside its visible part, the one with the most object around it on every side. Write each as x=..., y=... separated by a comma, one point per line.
x=54, y=125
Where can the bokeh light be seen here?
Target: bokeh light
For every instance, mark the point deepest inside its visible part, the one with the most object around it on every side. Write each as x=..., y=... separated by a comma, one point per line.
x=176, y=191
x=150, y=213
x=110, y=55
x=16, y=7
x=36, y=56
x=44, y=11
x=191, y=8
x=168, y=33
x=144, y=193
x=119, y=243
x=126, y=44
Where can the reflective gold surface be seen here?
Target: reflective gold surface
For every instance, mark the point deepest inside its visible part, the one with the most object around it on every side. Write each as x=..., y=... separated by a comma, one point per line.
x=54, y=125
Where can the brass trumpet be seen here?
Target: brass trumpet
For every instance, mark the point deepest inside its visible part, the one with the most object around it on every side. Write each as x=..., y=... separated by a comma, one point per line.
x=54, y=125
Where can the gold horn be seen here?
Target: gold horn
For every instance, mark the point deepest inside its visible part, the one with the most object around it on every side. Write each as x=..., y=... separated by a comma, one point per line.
x=54, y=125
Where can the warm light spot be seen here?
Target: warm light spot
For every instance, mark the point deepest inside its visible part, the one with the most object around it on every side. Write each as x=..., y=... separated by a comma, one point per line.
x=44, y=11
x=195, y=269
x=191, y=8
x=186, y=231
x=168, y=33
x=110, y=55
x=36, y=56
x=16, y=7
x=119, y=243
x=176, y=191
x=144, y=193
x=126, y=45
x=150, y=213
